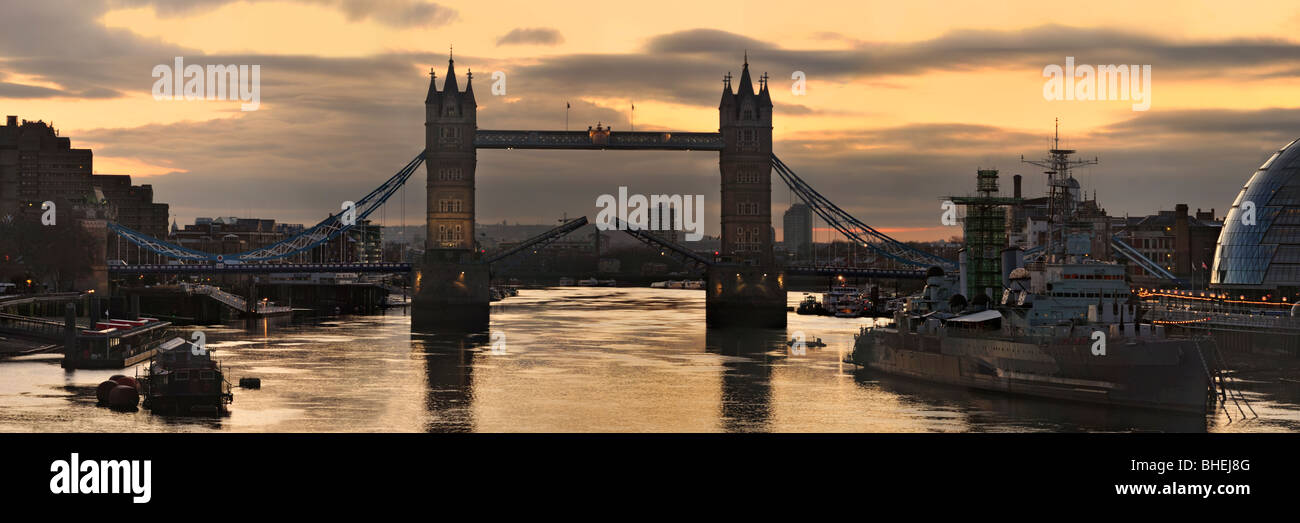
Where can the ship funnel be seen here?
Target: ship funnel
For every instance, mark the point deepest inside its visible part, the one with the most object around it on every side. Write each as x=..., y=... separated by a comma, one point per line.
x=1012, y=259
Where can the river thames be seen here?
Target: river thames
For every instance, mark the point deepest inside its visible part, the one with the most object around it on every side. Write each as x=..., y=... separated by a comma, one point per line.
x=574, y=359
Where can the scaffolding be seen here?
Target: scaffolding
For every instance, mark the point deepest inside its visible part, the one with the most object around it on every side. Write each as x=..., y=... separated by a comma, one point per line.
x=985, y=234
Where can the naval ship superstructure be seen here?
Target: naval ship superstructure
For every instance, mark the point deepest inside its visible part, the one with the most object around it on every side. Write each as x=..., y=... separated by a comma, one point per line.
x=1064, y=326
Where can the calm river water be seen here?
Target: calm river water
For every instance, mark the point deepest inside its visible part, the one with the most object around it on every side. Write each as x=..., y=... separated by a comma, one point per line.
x=577, y=360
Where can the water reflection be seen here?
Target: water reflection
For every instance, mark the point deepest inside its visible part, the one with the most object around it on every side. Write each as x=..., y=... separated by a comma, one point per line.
x=449, y=368
x=746, y=379
x=579, y=360
x=992, y=411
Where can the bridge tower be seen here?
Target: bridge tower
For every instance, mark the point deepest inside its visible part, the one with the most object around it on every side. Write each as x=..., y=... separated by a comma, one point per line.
x=451, y=288
x=746, y=287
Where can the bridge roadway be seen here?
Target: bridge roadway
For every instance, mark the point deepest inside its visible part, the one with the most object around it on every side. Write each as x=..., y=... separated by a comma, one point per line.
x=276, y=268
x=258, y=268
x=622, y=140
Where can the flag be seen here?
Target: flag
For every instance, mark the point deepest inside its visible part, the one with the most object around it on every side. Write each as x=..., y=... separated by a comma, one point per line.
x=566, y=105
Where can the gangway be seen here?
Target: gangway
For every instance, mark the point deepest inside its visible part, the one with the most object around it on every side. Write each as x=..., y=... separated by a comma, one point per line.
x=1147, y=264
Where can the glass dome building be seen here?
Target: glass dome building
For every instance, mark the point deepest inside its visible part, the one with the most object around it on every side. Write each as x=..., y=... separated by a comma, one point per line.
x=1258, y=251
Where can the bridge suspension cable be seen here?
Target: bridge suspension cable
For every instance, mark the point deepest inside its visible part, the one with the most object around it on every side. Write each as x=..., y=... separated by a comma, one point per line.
x=326, y=230
x=855, y=229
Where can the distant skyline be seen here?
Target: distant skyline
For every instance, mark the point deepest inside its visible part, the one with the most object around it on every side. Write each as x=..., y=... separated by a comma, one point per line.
x=903, y=102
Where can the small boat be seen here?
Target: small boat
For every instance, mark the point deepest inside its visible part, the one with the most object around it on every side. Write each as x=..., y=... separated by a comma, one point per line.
x=566, y=282
x=693, y=284
x=115, y=344
x=659, y=285
x=608, y=283
x=589, y=282
x=809, y=305
x=184, y=380
x=815, y=342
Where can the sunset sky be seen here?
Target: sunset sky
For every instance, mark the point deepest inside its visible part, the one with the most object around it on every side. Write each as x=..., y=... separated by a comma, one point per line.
x=904, y=101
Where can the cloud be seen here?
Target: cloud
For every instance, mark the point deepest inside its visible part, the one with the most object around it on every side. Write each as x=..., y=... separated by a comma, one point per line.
x=332, y=128
x=393, y=13
x=703, y=41
x=534, y=36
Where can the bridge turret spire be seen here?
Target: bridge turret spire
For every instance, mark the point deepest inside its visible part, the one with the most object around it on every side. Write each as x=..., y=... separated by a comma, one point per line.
x=449, y=86
x=469, y=88
x=433, y=87
x=746, y=85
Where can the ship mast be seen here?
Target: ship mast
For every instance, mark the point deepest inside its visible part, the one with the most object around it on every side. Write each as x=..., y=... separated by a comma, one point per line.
x=1061, y=206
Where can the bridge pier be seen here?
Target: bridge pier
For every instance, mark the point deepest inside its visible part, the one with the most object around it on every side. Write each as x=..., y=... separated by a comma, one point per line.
x=450, y=294
x=745, y=296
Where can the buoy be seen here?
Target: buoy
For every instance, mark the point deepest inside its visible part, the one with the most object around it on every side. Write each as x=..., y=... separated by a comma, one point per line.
x=123, y=397
x=101, y=392
x=250, y=383
x=128, y=381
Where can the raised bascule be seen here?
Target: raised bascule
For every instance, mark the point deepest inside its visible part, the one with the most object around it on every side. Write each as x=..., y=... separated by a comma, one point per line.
x=745, y=286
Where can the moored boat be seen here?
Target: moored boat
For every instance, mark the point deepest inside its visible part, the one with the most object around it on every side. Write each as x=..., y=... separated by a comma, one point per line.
x=184, y=379
x=115, y=343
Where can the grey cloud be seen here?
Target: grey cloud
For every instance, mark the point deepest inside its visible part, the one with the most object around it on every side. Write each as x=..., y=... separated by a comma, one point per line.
x=533, y=35
x=703, y=41
x=334, y=128
x=394, y=13
x=13, y=90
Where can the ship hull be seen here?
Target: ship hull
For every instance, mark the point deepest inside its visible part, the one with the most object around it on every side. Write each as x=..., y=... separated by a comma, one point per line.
x=1165, y=374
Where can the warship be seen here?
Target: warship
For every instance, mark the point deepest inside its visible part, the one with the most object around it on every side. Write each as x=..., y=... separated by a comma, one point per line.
x=1057, y=324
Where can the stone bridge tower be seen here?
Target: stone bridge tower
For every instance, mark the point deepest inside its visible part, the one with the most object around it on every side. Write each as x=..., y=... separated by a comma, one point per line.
x=745, y=121
x=745, y=287
x=450, y=157
x=451, y=287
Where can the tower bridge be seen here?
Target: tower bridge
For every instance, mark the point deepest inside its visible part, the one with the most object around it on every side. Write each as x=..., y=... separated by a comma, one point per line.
x=745, y=287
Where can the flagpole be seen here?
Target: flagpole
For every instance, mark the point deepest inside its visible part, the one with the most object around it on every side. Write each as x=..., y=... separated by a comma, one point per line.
x=634, y=116
x=566, y=116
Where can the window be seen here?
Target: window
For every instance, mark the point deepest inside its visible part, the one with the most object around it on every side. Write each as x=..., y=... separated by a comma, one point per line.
x=451, y=205
x=747, y=239
x=749, y=137
x=747, y=209
x=748, y=175
x=451, y=134
x=450, y=174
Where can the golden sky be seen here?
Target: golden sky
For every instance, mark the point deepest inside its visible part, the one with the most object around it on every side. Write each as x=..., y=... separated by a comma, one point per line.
x=925, y=68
